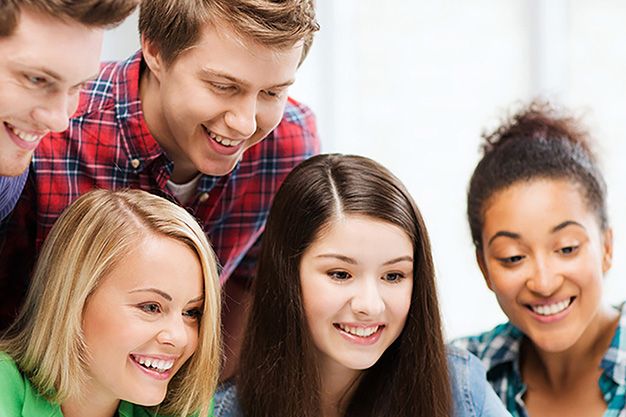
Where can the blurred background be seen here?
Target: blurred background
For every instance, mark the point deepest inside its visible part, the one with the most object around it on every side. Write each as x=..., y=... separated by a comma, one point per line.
x=414, y=83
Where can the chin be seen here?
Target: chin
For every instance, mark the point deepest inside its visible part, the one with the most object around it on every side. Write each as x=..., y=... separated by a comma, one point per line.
x=147, y=399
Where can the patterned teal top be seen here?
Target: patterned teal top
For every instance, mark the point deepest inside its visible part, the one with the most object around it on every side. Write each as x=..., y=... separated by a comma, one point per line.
x=499, y=351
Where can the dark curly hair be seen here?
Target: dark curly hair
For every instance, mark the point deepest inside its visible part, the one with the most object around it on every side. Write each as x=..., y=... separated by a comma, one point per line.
x=536, y=142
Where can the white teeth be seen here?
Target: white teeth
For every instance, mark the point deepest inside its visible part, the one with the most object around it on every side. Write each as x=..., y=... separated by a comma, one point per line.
x=221, y=140
x=159, y=365
x=27, y=137
x=359, y=331
x=551, y=309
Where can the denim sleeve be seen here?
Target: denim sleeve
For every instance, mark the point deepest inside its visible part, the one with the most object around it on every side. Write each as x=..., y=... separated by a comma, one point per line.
x=471, y=393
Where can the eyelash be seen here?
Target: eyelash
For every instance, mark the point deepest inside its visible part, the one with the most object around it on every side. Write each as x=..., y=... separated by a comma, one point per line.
x=345, y=276
x=194, y=313
x=572, y=249
x=511, y=260
x=36, y=80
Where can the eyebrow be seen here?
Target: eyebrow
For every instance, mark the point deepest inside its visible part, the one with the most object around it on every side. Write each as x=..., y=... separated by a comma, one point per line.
x=351, y=261
x=558, y=227
x=214, y=73
x=164, y=294
x=56, y=76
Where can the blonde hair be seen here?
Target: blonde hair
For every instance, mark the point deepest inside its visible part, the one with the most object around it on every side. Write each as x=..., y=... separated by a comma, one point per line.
x=91, y=13
x=175, y=25
x=86, y=243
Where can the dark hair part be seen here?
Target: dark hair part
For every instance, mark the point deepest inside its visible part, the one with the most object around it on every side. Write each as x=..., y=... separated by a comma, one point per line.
x=278, y=374
x=91, y=13
x=536, y=143
x=173, y=26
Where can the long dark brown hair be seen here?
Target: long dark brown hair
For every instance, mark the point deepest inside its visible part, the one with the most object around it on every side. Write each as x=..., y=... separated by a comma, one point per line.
x=278, y=375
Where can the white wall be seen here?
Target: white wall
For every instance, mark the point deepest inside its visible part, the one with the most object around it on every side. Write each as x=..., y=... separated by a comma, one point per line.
x=413, y=83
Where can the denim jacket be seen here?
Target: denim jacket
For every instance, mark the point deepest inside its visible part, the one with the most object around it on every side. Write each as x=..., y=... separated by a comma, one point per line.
x=471, y=393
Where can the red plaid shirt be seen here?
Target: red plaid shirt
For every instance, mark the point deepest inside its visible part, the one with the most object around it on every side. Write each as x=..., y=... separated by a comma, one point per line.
x=108, y=145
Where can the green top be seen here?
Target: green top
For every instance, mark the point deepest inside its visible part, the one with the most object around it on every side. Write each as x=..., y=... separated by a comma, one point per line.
x=18, y=397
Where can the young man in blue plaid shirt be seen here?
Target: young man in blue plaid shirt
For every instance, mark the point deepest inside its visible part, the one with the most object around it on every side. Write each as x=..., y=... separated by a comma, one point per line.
x=538, y=217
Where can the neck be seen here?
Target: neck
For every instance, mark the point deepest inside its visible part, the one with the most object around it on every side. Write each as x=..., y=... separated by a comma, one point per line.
x=562, y=370
x=149, y=88
x=337, y=387
x=89, y=407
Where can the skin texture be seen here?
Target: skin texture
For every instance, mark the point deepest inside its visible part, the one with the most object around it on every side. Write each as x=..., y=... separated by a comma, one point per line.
x=224, y=85
x=358, y=272
x=543, y=245
x=45, y=62
x=149, y=305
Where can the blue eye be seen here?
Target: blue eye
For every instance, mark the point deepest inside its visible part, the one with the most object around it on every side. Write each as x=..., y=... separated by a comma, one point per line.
x=151, y=308
x=35, y=80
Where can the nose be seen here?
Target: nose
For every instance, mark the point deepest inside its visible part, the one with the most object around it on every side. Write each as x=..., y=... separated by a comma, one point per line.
x=174, y=331
x=241, y=118
x=367, y=300
x=54, y=113
x=544, y=280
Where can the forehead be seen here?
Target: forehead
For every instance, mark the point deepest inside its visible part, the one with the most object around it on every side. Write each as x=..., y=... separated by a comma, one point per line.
x=358, y=234
x=227, y=52
x=69, y=49
x=529, y=205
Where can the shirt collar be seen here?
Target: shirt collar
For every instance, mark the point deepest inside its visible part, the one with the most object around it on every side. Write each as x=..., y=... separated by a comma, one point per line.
x=614, y=360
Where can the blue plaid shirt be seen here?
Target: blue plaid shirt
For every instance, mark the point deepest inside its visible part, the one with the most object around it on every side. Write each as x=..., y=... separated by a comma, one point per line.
x=499, y=351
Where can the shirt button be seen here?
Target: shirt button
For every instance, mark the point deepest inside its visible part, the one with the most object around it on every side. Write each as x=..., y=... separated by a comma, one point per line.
x=204, y=197
x=135, y=163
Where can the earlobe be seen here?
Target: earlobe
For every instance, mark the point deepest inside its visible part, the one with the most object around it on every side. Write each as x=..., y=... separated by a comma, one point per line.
x=480, y=260
x=152, y=56
x=607, y=249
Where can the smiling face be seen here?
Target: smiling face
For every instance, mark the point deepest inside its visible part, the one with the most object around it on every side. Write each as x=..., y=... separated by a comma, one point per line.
x=141, y=324
x=45, y=62
x=216, y=99
x=544, y=257
x=356, y=280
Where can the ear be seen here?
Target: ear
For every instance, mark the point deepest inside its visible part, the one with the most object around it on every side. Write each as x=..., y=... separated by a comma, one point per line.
x=607, y=250
x=152, y=56
x=480, y=260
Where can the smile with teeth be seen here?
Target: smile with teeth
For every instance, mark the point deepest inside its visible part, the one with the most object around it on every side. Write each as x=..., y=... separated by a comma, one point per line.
x=223, y=141
x=26, y=137
x=551, y=309
x=153, y=364
x=358, y=331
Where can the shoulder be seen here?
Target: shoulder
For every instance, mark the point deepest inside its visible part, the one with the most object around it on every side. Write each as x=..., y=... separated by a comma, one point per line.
x=12, y=387
x=501, y=344
x=471, y=393
x=226, y=402
x=297, y=131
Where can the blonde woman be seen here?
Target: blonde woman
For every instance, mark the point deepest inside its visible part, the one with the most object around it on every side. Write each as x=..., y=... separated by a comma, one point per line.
x=121, y=318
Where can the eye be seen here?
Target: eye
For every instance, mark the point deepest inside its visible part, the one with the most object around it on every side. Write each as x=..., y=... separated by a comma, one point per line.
x=568, y=250
x=394, y=277
x=151, y=308
x=193, y=313
x=511, y=260
x=36, y=80
x=222, y=88
x=339, y=275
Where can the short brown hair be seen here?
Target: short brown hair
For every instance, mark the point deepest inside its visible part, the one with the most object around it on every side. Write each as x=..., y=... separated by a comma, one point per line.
x=96, y=13
x=175, y=25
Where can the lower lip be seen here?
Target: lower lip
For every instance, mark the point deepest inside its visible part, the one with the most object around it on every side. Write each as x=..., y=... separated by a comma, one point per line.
x=554, y=317
x=221, y=149
x=359, y=340
x=154, y=374
x=28, y=146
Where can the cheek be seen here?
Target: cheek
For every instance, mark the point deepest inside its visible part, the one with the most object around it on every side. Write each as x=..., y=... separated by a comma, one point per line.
x=270, y=115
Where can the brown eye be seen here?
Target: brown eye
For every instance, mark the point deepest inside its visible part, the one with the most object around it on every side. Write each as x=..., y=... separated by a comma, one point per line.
x=339, y=275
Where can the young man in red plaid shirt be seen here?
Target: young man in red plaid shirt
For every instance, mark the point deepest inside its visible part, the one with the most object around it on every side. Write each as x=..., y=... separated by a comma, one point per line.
x=39, y=83
x=201, y=116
